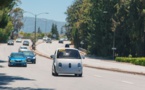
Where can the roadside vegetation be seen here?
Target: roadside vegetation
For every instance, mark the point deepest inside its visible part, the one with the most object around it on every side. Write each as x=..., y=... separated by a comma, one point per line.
x=39, y=34
x=99, y=25
x=133, y=60
x=10, y=19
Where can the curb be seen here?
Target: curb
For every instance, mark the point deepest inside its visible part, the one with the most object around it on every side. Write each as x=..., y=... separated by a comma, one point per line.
x=38, y=53
x=95, y=67
x=115, y=70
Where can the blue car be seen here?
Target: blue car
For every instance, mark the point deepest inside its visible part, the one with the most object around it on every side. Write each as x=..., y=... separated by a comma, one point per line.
x=30, y=56
x=17, y=58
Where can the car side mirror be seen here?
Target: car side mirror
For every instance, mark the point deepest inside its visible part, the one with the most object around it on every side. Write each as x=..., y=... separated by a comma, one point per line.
x=52, y=56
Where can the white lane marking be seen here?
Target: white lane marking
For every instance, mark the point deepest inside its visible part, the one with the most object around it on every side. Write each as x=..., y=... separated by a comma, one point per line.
x=127, y=82
x=97, y=76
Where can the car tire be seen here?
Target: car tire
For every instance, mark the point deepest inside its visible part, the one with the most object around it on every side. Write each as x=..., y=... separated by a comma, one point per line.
x=9, y=65
x=25, y=65
x=34, y=62
x=55, y=73
x=78, y=75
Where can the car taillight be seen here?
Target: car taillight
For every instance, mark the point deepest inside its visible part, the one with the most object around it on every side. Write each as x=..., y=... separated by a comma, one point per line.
x=60, y=64
x=79, y=65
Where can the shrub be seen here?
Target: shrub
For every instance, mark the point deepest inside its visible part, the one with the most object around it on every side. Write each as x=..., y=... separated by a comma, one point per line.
x=136, y=61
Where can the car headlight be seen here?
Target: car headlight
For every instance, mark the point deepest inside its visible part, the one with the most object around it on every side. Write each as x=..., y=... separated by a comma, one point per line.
x=24, y=61
x=11, y=60
x=34, y=57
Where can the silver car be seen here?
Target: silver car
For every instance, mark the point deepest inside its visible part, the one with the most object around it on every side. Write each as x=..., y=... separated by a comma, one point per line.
x=10, y=42
x=18, y=40
x=67, y=61
x=23, y=48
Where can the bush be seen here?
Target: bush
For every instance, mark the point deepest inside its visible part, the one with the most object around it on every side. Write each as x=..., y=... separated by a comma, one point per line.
x=136, y=61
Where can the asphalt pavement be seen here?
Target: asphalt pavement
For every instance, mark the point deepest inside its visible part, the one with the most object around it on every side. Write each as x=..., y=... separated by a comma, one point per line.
x=102, y=64
x=39, y=76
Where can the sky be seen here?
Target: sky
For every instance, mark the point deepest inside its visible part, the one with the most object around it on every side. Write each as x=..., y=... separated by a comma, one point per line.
x=55, y=8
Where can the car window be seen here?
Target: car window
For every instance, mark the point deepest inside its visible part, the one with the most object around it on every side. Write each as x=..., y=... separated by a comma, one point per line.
x=28, y=53
x=10, y=40
x=17, y=55
x=23, y=47
x=68, y=54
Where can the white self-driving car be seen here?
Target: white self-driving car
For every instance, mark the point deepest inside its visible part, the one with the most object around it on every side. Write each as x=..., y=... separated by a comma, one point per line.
x=67, y=61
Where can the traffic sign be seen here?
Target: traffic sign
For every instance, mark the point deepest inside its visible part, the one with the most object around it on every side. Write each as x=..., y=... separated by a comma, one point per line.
x=113, y=48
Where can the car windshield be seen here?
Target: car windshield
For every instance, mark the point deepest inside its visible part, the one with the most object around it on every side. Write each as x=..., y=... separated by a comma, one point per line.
x=17, y=55
x=10, y=40
x=23, y=47
x=26, y=41
x=18, y=38
x=28, y=53
x=68, y=54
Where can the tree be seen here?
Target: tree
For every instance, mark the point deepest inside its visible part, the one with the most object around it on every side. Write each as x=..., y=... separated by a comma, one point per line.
x=17, y=16
x=39, y=30
x=54, y=31
x=103, y=24
x=5, y=22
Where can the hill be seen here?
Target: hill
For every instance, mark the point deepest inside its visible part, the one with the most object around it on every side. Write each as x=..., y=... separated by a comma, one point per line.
x=44, y=24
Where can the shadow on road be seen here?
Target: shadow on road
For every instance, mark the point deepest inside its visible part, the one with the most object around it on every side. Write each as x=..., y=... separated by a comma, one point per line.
x=23, y=88
x=67, y=76
x=3, y=61
x=5, y=80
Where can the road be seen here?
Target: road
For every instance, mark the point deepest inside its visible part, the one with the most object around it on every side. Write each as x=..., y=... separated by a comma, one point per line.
x=38, y=76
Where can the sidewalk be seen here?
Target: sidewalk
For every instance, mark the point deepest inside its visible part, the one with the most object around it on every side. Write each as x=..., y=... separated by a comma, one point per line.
x=108, y=65
x=114, y=66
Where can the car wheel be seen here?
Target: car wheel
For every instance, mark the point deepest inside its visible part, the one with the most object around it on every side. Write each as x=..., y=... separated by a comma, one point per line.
x=25, y=65
x=9, y=65
x=34, y=62
x=55, y=73
x=78, y=75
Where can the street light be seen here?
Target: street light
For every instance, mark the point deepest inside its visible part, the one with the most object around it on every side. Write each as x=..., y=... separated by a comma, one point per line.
x=35, y=21
x=45, y=20
x=113, y=47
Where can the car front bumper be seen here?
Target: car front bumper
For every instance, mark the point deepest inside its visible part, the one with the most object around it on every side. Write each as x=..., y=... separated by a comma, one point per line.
x=17, y=63
x=30, y=60
x=69, y=70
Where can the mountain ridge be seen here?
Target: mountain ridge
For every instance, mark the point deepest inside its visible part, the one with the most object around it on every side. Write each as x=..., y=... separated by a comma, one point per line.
x=44, y=24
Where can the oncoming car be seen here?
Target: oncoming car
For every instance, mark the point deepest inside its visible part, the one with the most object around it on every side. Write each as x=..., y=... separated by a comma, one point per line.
x=23, y=48
x=67, y=61
x=31, y=57
x=26, y=43
x=49, y=40
x=17, y=59
x=10, y=42
x=19, y=40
